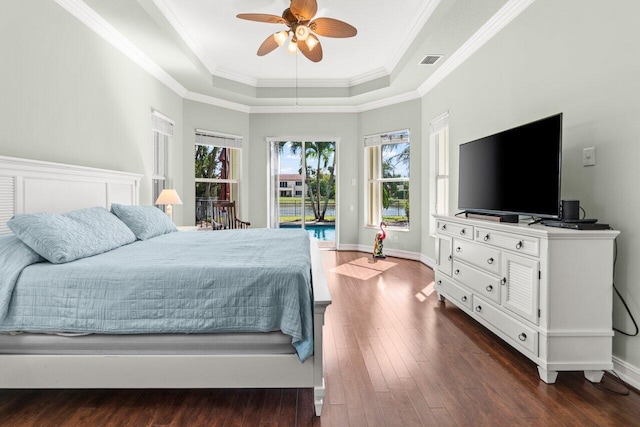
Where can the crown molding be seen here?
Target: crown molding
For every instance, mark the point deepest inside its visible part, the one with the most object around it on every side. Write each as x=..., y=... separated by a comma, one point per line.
x=369, y=76
x=412, y=32
x=289, y=83
x=91, y=19
x=497, y=22
x=304, y=109
x=236, y=77
x=170, y=15
x=385, y=102
x=217, y=102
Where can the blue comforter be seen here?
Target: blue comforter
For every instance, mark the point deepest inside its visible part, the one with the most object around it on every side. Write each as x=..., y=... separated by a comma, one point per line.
x=183, y=282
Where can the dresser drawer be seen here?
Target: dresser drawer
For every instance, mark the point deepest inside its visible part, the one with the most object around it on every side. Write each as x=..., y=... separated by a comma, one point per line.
x=481, y=256
x=520, y=336
x=455, y=229
x=518, y=243
x=455, y=292
x=479, y=282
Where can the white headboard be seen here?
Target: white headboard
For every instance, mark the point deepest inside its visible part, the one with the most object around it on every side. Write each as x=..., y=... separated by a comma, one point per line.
x=31, y=186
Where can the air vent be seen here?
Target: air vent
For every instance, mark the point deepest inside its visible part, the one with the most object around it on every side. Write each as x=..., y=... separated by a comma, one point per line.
x=430, y=59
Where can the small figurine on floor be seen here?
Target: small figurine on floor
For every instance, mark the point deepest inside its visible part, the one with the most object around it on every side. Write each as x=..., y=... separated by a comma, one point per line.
x=377, y=246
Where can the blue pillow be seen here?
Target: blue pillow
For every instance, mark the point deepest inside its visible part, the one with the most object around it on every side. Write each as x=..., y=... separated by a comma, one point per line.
x=145, y=221
x=71, y=236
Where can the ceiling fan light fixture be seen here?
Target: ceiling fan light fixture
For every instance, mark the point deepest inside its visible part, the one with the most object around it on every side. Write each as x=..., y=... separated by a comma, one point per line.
x=302, y=32
x=293, y=47
x=302, y=27
x=281, y=37
x=311, y=42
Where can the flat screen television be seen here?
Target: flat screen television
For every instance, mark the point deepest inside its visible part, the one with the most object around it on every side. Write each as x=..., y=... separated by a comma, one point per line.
x=515, y=172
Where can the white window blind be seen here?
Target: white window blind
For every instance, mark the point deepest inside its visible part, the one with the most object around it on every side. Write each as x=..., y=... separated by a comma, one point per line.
x=439, y=123
x=161, y=124
x=204, y=137
x=387, y=138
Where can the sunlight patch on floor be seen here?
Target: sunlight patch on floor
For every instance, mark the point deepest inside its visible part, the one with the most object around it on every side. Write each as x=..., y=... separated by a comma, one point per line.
x=363, y=268
x=368, y=262
x=425, y=292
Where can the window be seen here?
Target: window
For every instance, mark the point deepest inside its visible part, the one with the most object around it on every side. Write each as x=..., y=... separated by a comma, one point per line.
x=387, y=158
x=283, y=184
x=217, y=171
x=439, y=170
x=298, y=183
x=298, y=193
x=162, y=128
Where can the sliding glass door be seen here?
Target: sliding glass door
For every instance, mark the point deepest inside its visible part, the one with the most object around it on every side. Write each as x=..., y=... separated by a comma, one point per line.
x=303, y=186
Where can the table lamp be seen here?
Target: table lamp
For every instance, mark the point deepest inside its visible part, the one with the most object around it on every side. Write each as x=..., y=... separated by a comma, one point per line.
x=169, y=197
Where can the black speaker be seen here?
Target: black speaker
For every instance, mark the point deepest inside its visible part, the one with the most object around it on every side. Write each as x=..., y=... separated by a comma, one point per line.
x=570, y=210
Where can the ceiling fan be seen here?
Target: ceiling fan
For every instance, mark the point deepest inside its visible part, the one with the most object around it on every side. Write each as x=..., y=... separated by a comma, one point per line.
x=298, y=17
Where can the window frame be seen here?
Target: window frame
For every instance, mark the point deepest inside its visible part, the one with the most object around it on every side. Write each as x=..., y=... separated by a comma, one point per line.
x=161, y=136
x=373, y=184
x=222, y=140
x=439, y=150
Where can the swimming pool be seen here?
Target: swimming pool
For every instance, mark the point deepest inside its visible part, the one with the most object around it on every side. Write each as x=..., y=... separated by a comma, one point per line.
x=321, y=232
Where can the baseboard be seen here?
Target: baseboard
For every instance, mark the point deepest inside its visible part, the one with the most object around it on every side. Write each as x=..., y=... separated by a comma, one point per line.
x=416, y=256
x=431, y=263
x=629, y=373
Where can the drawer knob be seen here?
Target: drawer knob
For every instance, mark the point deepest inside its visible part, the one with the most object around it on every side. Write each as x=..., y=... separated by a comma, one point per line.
x=486, y=237
x=519, y=244
x=463, y=232
x=449, y=257
x=489, y=288
x=478, y=309
x=439, y=282
x=503, y=281
x=456, y=272
x=444, y=227
x=490, y=261
x=464, y=298
x=458, y=249
x=522, y=337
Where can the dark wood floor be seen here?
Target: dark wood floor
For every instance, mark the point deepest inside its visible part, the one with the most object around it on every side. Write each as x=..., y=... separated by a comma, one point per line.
x=393, y=356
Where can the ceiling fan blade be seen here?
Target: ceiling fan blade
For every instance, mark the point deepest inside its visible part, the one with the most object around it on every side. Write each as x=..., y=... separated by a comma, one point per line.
x=330, y=27
x=314, y=54
x=262, y=17
x=267, y=46
x=304, y=10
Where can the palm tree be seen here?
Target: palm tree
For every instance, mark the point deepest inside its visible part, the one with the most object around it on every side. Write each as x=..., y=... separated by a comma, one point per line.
x=323, y=152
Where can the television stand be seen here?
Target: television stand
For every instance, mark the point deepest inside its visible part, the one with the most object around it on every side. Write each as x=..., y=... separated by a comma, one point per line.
x=545, y=291
x=513, y=219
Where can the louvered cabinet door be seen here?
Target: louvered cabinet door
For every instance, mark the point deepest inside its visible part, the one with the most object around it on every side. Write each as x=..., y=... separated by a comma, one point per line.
x=520, y=286
x=444, y=254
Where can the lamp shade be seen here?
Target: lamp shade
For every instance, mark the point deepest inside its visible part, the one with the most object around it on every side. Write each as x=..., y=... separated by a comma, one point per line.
x=169, y=197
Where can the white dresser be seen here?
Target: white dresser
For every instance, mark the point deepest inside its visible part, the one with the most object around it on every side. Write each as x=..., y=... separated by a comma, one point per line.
x=545, y=291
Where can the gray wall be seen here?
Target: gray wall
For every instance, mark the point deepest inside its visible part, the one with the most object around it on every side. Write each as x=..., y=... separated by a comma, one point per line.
x=580, y=58
x=306, y=127
x=406, y=115
x=68, y=96
x=216, y=119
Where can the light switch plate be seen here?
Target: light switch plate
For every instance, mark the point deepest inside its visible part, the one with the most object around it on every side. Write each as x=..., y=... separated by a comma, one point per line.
x=589, y=156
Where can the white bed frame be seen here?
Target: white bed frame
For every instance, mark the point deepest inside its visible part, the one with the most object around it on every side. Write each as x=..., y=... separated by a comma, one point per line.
x=28, y=186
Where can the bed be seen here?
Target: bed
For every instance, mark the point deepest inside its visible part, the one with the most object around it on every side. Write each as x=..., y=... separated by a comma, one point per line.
x=197, y=349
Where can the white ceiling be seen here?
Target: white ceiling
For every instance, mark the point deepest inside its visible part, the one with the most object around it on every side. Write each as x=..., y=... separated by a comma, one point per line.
x=227, y=45
x=203, y=52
